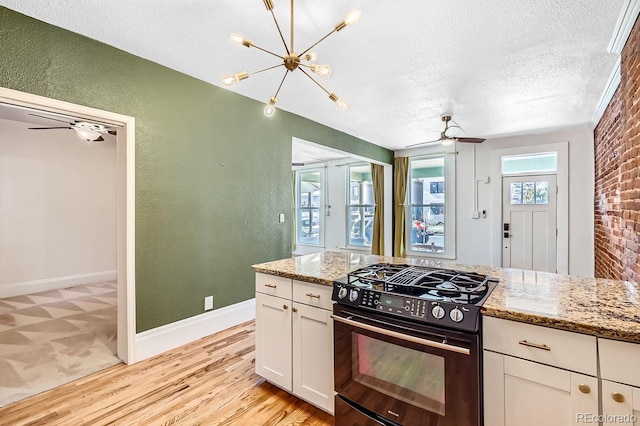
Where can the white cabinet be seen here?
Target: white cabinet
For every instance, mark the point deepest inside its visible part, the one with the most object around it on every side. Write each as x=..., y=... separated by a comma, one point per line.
x=620, y=371
x=526, y=377
x=294, y=338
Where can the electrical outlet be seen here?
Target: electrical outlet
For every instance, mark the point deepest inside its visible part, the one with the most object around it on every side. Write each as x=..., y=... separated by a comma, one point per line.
x=208, y=303
x=281, y=217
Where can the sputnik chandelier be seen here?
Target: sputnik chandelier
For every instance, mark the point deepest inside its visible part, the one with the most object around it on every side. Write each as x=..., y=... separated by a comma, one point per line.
x=293, y=61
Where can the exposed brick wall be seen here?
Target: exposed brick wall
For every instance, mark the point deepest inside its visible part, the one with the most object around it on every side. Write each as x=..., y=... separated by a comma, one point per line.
x=617, y=185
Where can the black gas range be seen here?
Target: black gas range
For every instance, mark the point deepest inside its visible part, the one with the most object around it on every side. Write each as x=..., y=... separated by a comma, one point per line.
x=407, y=346
x=440, y=297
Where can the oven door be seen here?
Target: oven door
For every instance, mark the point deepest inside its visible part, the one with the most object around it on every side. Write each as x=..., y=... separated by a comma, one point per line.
x=406, y=372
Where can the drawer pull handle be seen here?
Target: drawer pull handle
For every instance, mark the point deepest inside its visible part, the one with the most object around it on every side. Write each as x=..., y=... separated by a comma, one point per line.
x=271, y=285
x=317, y=296
x=285, y=307
x=584, y=388
x=617, y=397
x=534, y=345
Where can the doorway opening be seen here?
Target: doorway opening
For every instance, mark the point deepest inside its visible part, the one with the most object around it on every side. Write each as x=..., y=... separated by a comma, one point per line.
x=124, y=193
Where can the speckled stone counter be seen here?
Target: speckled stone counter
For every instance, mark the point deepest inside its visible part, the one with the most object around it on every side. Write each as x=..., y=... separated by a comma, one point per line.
x=600, y=307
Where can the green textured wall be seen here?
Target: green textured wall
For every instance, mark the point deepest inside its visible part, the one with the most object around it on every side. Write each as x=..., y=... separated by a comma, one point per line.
x=212, y=172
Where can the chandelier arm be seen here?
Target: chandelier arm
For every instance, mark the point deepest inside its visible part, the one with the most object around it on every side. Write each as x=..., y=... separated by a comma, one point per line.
x=280, y=32
x=281, y=83
x=267, y=51
x=265, y=69
x=291, y=29
x=317, y=42
x=314, y=80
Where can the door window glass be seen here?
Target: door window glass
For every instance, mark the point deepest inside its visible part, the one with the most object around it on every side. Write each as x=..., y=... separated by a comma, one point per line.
x=529, y=192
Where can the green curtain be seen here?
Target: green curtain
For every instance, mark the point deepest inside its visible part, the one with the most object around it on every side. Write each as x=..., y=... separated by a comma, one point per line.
x=400, y=170
x=293, y=211
x=377, y=176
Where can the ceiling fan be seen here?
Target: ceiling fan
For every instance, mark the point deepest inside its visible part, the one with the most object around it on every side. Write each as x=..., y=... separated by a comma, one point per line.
x=449, y=135
x=90, y=132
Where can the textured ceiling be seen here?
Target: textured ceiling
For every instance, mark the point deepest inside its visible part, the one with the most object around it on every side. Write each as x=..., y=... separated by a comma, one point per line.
x=501, y=67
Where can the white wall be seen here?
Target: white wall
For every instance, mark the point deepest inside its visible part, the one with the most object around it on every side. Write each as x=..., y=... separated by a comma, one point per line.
x=57, y=209
x=479, y=240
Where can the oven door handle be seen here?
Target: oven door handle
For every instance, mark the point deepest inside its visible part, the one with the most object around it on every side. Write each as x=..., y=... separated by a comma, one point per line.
x=402, y=336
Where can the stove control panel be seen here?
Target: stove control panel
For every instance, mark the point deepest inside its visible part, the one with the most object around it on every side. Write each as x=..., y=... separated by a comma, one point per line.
x=419, y=309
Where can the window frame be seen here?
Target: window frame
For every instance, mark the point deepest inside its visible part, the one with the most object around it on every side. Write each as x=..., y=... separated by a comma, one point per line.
x=361, y=207
x=449, y=205
x=321, y=206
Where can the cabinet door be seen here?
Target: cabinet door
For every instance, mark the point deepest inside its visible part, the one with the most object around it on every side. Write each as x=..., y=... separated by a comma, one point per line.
x=313, y=355
x=536, y=394
x=620, y=404
x=273, y=339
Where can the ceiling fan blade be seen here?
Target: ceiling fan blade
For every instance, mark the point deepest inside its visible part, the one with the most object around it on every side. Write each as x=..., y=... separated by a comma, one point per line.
x=471, y=140
x=424, y=143
x=49, y=118
x=48, y=128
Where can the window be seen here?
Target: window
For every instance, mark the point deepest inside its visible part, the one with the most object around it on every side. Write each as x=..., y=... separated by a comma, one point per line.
x=309, y=206
x=360, y=206
x=427, y=205
x=529, y=192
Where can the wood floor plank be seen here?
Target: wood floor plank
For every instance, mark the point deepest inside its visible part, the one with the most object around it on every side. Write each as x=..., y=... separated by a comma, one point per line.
x=207, y=382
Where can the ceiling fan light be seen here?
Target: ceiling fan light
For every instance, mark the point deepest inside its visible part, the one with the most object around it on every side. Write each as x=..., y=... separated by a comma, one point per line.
x=231, y=79
x=271, y=107
x=237, y=38
x=87, y=134
x=324, y=71
x=340, y=103
x=447, y=141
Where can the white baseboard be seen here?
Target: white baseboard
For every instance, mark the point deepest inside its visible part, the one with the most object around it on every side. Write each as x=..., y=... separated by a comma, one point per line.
x=37, y=286
x=161, y=339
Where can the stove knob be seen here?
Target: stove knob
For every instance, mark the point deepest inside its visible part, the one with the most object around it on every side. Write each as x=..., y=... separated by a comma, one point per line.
x=353, y=295
x=342, y=293
x=456, y=315
x=438, y=312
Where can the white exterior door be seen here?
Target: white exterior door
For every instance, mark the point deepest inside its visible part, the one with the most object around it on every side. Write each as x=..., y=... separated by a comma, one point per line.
x=529, y=222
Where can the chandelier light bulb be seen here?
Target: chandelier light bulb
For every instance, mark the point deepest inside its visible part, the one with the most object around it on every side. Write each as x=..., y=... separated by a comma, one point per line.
x=237, y=38
x=340, y=103
x=353, y=17
x=447, y=141
x=271, y=107
x=322, y=70
x=311, y=56
x=231, y=79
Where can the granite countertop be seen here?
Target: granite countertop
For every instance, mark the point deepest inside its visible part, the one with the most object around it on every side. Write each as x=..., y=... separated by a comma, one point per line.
x=605, y=308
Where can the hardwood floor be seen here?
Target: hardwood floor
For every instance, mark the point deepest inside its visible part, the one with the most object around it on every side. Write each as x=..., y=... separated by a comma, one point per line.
x=207, y=382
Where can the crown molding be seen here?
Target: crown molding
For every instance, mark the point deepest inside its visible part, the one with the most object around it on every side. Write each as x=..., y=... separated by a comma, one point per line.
x=621, y=32
x=626, y=21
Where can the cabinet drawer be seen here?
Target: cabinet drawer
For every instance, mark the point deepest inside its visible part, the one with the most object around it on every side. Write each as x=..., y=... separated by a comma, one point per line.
x=564, y=349
x=619, y=361
x=273, y=285
x=312, y=294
